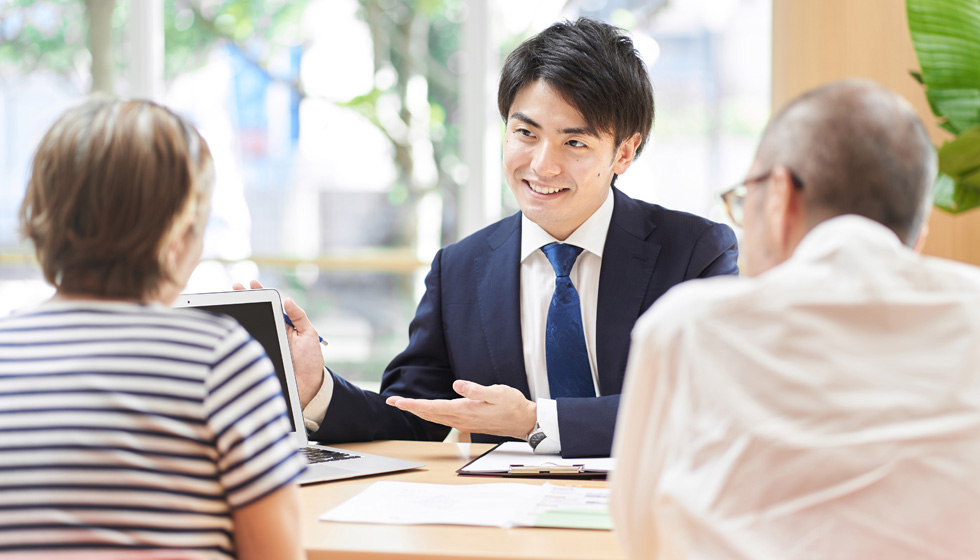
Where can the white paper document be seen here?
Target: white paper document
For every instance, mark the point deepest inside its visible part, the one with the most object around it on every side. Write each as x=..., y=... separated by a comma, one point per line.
x=492, y=505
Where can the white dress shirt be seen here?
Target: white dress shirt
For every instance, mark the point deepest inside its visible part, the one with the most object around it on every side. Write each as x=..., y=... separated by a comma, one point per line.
x=827, y=409
x=537, y=287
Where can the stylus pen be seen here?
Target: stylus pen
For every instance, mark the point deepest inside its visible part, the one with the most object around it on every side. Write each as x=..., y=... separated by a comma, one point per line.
x=290, y=323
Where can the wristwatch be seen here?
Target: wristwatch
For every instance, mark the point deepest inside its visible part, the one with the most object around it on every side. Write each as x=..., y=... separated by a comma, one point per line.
x=536, y=436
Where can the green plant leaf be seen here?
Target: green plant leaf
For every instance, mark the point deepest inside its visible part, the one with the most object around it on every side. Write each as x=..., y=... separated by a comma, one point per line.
x=944, y=193
x=942, y=101
x=954, y=197
x=961, y=107
x=946, y=36
x=960, y=157
x=966, y=196
x=958, y=187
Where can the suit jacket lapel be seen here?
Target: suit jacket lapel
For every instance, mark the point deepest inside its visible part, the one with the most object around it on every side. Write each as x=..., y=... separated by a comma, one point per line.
x=499, y=291
x=628, y=260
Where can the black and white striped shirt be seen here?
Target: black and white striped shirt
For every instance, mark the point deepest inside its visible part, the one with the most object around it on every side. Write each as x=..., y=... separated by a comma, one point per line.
x=129, y=427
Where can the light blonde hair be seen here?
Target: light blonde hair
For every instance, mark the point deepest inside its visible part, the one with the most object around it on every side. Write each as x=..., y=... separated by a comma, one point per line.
x=112, y=183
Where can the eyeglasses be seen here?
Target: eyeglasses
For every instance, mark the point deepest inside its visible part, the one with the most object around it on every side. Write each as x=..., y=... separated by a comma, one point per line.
x=734, y=198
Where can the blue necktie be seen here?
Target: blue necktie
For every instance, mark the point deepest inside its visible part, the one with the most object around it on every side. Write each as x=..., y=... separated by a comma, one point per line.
x=569, y=373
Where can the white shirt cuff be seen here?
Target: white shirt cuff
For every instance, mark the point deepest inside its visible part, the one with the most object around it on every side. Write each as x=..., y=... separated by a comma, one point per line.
x=548, y=422
x=317, y=408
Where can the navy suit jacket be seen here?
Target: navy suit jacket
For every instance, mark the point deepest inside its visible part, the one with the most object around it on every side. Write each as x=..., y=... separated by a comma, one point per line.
x=468, y=324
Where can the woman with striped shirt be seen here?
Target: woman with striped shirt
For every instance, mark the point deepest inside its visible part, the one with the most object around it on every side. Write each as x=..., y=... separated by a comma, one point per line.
x=128, y=429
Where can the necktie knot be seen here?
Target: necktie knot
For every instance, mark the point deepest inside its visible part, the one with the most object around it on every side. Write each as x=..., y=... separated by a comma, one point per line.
x=562, y=257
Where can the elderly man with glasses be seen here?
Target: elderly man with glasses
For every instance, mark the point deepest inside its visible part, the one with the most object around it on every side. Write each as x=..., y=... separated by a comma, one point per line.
x=828, y=404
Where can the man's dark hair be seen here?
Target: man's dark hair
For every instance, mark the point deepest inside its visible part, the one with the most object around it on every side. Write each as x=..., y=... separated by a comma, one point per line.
x=596, y=70
x=858, y=149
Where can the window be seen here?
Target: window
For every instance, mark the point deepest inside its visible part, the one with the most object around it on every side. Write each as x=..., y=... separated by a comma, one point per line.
x=353, y=139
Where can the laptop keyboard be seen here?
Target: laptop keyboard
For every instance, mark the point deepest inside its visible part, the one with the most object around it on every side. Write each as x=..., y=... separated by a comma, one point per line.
x=317, y=455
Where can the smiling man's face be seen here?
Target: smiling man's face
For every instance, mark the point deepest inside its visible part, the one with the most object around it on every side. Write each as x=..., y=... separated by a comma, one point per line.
x=557, y=167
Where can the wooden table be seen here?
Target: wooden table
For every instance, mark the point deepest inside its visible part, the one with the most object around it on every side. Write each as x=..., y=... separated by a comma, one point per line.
x=325, y=540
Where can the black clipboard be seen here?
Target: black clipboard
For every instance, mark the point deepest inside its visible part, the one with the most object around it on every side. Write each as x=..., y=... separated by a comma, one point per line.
x=516, y=460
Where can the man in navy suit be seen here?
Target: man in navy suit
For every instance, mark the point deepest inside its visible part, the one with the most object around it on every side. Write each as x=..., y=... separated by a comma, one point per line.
x=486, y=350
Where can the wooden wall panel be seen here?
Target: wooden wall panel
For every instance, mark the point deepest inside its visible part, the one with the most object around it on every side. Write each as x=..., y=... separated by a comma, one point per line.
x=818, y=41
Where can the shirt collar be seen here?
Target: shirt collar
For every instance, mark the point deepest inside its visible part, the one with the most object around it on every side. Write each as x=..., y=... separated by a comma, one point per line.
x=591, y=235
x=827, y=236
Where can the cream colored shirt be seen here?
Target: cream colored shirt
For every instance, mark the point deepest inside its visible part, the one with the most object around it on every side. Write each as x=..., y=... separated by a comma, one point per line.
x=827, y=409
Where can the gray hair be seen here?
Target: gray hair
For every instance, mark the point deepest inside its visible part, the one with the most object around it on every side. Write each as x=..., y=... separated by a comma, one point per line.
x=859, y=149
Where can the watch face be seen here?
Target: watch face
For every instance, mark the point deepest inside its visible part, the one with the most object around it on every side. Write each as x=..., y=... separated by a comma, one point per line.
x=536, y=438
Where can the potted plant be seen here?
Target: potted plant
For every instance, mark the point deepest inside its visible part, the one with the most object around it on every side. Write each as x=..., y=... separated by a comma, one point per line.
x=946, y=36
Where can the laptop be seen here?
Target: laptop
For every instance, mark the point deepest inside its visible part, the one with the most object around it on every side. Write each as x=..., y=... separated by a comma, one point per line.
x=261, y=313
